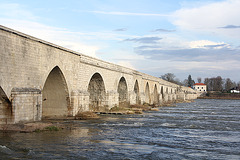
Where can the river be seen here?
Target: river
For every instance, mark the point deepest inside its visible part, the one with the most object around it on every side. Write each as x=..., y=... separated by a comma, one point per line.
x=204, y=129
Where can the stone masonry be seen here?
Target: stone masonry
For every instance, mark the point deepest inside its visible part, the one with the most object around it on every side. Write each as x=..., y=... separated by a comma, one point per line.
x=40, y=79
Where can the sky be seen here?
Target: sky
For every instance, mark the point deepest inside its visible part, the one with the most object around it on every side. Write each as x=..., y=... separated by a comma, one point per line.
x=200, y=38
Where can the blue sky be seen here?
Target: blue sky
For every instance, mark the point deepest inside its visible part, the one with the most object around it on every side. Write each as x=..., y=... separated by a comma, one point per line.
x=201, y=38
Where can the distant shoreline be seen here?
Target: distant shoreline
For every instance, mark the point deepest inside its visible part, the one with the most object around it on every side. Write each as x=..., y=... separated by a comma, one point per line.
x=217, y=95
x=227, y=98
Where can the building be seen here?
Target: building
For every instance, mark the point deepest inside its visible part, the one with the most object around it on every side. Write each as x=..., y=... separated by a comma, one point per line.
x=200, y=87
x=235, y=90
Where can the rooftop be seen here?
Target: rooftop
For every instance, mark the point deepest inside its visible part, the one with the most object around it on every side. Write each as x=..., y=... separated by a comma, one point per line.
x=199, y=84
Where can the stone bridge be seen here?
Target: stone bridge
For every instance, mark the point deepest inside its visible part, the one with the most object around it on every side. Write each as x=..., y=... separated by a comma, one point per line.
x=39, y=79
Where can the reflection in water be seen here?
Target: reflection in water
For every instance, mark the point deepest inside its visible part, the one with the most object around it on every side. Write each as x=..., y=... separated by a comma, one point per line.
x=205, y=129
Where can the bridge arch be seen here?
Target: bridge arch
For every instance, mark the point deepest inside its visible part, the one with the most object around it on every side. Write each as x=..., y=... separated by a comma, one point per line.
x=97, y=92
x=137, y=92
x=162, y=92
x=55, y=95
x=155, y=95
x=123, y=92
x=3, y=96
x=147, y=94
x=5, y=108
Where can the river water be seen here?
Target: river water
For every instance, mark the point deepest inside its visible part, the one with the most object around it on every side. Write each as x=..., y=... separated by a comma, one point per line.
x=204, y=129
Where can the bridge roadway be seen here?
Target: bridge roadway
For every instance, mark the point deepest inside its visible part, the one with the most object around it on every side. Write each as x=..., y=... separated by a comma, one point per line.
x=39, y=79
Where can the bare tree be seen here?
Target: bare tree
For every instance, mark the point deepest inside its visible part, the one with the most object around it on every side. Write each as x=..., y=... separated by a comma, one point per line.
x=214, y=84
x=207, y=82
x=185, y=82
x=171, y=78
x=229, y=84
x=238, y=85
x=218, y=85
x=168, y=77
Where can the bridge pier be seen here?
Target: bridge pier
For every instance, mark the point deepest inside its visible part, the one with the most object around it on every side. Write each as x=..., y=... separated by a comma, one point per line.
x=170, y=97
x=165, y=98
x=181, y=96
x=160, y=99
x=79, y=102
x=142, y=97
x=132, y=98
x=26, y=104
x=112, y=99
x=190, y=96
x=174, y=97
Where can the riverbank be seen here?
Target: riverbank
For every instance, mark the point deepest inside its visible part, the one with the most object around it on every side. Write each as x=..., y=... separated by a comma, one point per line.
x=55, y=124
x=230, y=96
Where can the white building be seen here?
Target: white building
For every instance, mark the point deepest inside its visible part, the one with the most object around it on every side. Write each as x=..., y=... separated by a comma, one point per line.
x=235, y=91
x=200, y=87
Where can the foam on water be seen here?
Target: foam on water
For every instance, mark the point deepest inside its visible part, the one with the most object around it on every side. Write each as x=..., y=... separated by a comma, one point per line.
x=6, y=150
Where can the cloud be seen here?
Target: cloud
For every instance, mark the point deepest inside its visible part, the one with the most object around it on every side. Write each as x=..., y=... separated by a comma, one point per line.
x=208, y=17
x=196, y=51
x=59, y=36
x=131, y=14
x=15, y=10
x=120, y=29
x=153, y=53
x=148, y=40
x=194, y=54
x=163, y=30
x=206, y=66
x=207, y=44
x=216, y=46
x=230, y=27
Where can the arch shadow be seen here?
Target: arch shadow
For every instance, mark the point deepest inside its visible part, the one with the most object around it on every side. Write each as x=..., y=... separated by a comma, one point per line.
x=162, y=93
x=97, y=93
x=55, y=95
x=147, y=94
x=123, y=93
x=6, y=114
x=137, y=92
x=155, y=96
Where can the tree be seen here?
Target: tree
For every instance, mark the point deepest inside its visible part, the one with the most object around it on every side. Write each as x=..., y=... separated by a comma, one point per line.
x=185, y=82
x=190, y=81
x=207, y=82
x=218, y=85
x=228, y=84
x=177, y=81
x=214, y=83
x=199, y=79
x=238, y=85
x=168, y=77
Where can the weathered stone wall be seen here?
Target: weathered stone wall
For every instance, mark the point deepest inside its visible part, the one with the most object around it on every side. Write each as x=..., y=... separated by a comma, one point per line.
x=26, y=104
x=30, y=63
